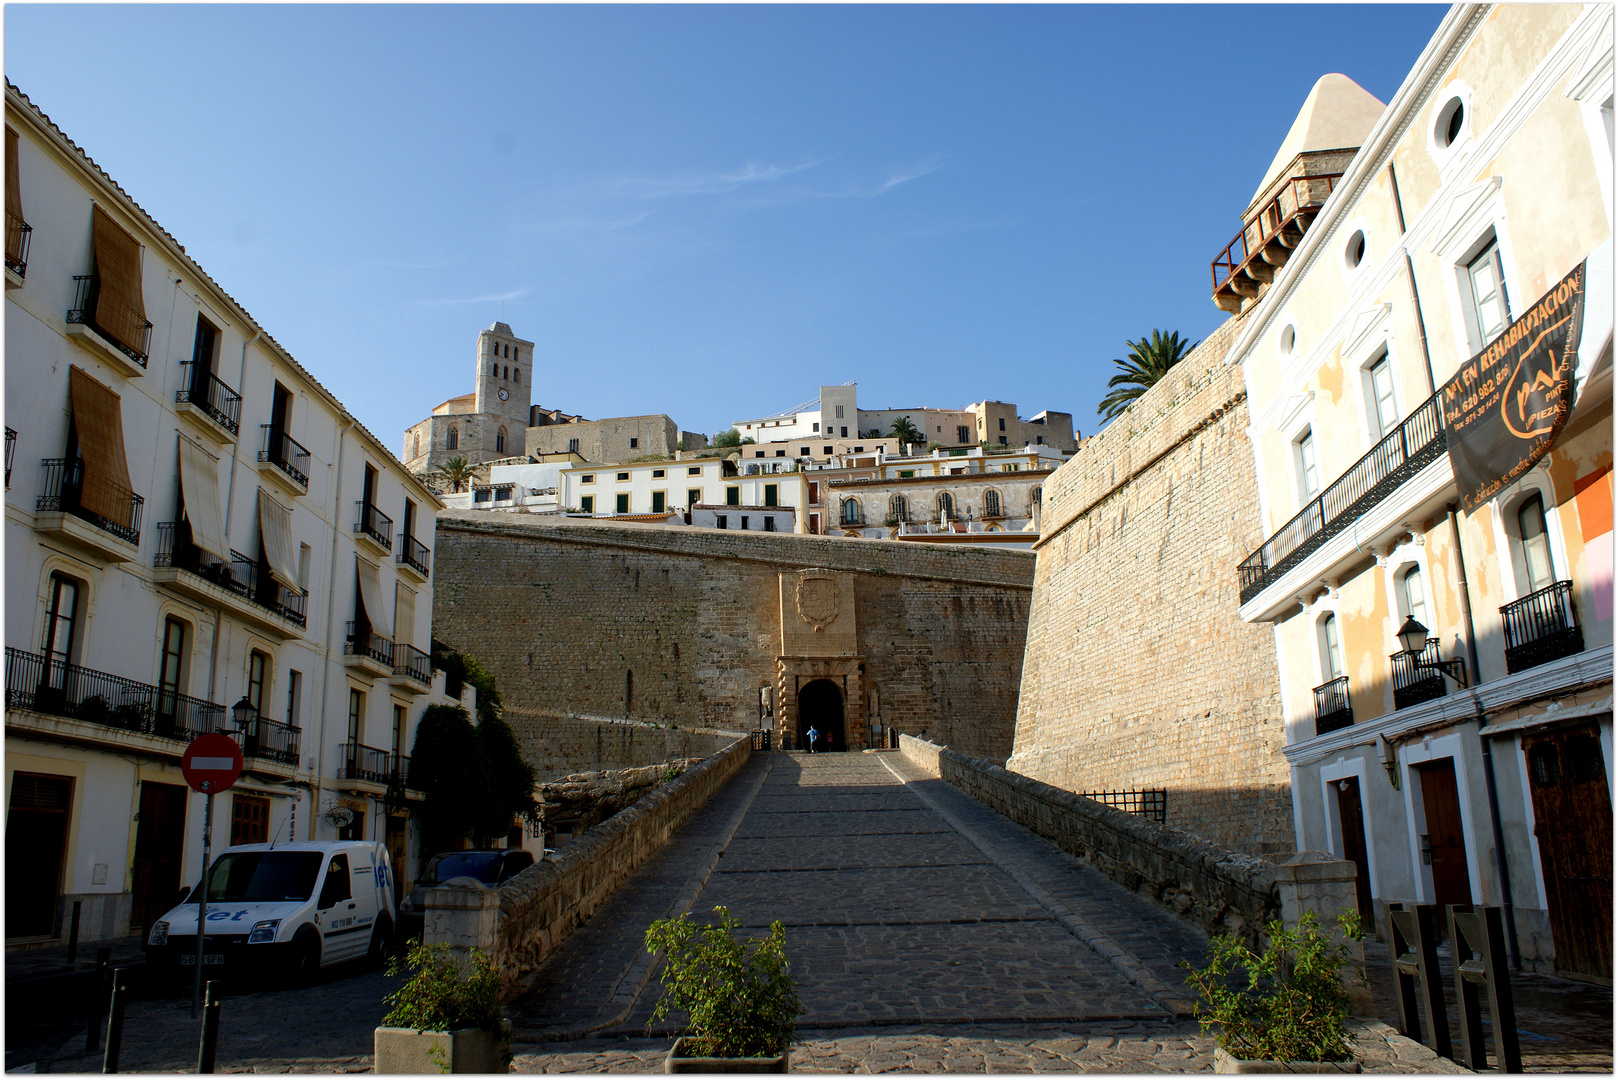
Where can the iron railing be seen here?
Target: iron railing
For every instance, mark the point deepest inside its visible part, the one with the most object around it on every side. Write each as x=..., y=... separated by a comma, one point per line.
x=205, y=390
x=1333, y=710
x=363, y=641
x=1541, y=627
x=58, y=688
x=64, y=485
x=411, y=663
x=19, y=236
x=1414, y=684
x=375, y=524
x=272, y=740
x=414, y=554
x=241, y=575
x=1405, y=451
x=1300, y=195
x=87, y=310
x=286, y=453
x=1147, y=803
x=360, y=762
x=11, y=449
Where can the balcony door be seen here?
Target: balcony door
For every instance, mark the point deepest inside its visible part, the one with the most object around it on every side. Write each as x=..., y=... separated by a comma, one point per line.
x=1573, y=822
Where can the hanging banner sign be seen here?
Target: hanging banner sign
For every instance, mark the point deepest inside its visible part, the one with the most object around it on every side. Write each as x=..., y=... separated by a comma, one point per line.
x=1504, y=409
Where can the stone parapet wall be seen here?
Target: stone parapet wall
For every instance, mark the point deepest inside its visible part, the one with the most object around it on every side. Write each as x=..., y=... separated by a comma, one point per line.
x=524, y=921
x=1139, y=674
x=1216, y=889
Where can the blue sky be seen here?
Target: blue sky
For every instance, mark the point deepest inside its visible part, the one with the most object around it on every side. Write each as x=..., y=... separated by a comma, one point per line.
x=703, y=211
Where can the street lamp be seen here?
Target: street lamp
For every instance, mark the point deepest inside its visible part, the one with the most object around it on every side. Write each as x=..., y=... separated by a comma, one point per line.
x=243, y=713
x=1413, y=637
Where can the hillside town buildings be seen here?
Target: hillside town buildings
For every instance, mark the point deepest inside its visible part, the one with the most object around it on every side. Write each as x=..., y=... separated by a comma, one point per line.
x=199, y=538
x=1429, y=376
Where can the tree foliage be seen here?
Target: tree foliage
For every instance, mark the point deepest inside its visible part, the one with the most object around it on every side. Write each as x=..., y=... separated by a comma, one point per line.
x=907, y=432
x=457, y=472
x=1148, y=362
x=729, y=437
x=445, y=767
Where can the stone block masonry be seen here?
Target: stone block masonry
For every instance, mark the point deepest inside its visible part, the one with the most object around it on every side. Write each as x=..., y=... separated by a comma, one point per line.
x=654, y=625
x=1138, y=673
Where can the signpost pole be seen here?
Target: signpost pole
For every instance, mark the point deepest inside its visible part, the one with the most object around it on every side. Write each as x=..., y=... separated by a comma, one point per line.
x=202, y=904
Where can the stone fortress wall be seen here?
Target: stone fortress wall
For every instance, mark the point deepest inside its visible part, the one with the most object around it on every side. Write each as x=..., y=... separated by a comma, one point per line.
x=1138, y=672
x=593, y=623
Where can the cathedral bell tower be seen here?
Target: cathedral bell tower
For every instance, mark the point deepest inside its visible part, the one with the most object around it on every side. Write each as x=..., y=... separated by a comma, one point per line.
x=505, y=368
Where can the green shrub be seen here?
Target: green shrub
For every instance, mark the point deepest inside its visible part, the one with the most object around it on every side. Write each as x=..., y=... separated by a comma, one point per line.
x=1293, y=1005
x=739, y=995
x=444, y=995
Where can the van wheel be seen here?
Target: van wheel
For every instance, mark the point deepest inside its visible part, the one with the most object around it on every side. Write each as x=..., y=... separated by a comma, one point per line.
x=305, y=960
x=381, y=944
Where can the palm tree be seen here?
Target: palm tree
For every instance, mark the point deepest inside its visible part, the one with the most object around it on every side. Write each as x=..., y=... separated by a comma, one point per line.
x=456, y=473
x=1148, y=362
x=906, y=432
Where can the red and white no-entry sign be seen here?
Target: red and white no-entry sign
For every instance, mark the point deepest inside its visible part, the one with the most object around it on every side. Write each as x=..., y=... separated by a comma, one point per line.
x=212, y=763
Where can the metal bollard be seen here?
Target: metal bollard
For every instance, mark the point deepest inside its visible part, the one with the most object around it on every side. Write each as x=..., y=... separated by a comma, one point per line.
x=210, y=1029
x=73, y=932
x=98, y=1000
x=1481, y=933
x=1417, y=988
x=115, y=1022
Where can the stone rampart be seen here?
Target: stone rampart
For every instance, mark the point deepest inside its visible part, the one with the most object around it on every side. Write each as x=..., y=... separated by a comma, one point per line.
x=1139, y=674
x=557, y=744
x=683, y=626
x=526, y=919
x=1217, y=889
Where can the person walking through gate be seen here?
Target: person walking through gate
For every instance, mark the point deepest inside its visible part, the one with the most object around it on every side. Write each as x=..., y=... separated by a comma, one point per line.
x=811, y=735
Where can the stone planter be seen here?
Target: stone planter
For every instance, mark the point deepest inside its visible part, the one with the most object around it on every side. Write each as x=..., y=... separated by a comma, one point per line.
x=677, y=1062
x=1225, y=1063
x=469, y=1050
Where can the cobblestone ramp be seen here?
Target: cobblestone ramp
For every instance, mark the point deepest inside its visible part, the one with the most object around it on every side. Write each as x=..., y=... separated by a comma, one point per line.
x=905, y=902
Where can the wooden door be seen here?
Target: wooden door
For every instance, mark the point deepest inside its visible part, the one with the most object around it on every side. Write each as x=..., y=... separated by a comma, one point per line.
x=159, y=848
x=1351, y=815
x=36, y=852
x=1444, y=842
x=1567, y=776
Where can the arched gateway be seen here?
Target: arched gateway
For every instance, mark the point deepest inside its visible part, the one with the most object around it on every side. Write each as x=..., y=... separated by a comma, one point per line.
x=820, y=706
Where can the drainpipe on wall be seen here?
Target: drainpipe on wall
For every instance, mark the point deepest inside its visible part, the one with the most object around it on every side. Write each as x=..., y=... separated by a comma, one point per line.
x=1484, y=744
x=331, y=596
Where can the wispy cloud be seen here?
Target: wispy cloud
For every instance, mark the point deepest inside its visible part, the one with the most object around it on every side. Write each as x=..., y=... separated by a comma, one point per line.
x=494, y=298
x=686, y=184
x=895, y=178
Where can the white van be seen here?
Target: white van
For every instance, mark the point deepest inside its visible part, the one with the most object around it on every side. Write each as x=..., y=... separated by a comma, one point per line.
x=295, y=907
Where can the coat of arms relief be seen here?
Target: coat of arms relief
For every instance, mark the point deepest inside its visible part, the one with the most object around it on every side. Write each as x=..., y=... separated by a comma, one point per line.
x=818, y=600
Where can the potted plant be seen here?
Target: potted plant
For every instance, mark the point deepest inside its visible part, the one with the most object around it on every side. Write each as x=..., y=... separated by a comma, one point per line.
x=741, y=1000
x=1282, y=1010
x=446, y=1016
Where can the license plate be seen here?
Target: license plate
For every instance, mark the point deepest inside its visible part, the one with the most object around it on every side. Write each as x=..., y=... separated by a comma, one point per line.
x=208, y=958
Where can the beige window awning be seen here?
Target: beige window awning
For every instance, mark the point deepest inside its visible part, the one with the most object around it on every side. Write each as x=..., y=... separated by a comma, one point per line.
x=275, y=530
x=370, y=597
x=14, y=218
x=98, y=420
x=404, y=614
x=120, y=308
x=199, y=487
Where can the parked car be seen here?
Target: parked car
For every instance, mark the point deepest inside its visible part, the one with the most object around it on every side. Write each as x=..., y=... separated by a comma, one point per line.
x=293, y=908
x=491, y=866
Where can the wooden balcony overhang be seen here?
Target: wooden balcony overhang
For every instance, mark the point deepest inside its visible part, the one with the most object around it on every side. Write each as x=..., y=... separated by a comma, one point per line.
x=1273, y=227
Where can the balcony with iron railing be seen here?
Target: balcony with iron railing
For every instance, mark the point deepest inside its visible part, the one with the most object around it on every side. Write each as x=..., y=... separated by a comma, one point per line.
x=413, y=556
x=1269, y=234
x=19, y=236
x=203, y=391
x=64, y=488
x=367, y=647
x=356, y=761
x=1408, y=449
x=1417, y=678
x=58, y=688
x=412, y=669
x=118, y=328
x=374, y=526
x=1541, y=627
x=241, y=577
x=283, y=458
x=1333, y=710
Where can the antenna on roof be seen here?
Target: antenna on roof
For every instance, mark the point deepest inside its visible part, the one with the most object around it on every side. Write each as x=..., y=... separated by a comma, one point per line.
x=277, y=834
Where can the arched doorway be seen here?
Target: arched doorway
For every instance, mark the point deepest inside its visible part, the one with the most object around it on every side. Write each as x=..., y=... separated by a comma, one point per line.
x=820, y=705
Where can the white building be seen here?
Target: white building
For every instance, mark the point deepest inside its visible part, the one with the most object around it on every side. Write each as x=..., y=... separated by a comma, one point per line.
x=196, y=531
x=707, y=492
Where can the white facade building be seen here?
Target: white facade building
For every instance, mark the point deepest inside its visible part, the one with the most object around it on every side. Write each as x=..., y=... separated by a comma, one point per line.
x=197, y=533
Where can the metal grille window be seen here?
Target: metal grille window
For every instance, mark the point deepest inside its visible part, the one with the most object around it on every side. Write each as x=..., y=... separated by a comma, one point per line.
x=1384, y=411
x=991, y=503
x=899, y=508
x=1486, y=280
